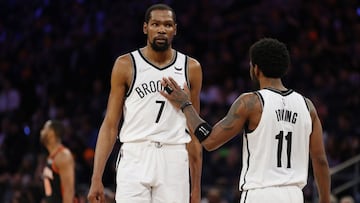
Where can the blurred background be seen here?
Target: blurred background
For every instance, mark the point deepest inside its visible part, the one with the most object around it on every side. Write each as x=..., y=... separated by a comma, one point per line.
x=56, y=58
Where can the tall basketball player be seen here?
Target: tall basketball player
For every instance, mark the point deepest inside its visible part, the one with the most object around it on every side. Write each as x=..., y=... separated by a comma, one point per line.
x=281, y=127
x=157, y=150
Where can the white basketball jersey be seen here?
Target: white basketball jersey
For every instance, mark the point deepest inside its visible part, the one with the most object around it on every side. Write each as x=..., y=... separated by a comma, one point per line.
x=148, y=116
x=276, y=153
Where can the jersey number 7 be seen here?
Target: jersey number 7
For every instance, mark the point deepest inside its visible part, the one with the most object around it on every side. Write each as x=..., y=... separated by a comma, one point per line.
x=162, y=104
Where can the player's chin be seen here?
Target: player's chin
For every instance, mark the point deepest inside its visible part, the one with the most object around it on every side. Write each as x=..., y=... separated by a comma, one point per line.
x=160, y=47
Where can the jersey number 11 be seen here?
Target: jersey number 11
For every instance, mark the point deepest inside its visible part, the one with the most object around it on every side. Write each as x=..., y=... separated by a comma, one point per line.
x=280, y=137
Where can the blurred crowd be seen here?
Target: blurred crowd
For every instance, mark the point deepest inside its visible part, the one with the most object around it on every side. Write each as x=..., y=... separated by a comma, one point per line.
x=56, y=59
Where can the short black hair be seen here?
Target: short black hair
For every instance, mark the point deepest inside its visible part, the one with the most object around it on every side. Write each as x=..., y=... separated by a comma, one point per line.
x=58, y=128
x=158, y=7
x=271, y=56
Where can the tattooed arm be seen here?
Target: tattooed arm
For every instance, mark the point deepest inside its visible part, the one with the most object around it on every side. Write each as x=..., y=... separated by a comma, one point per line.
x=241, y=111
x=228, y=127
x=245, y=108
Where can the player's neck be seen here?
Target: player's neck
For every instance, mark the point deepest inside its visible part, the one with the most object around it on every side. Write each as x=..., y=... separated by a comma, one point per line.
x=272, y=83
x=159, y=58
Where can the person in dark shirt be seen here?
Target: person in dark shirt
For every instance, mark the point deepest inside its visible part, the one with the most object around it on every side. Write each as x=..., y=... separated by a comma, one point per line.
x=59, y=172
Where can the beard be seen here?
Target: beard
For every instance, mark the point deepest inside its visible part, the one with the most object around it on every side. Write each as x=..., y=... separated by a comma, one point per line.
x=160, y=47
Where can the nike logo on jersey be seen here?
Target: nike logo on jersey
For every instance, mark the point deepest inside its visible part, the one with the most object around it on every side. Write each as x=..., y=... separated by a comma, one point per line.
x=178, y=71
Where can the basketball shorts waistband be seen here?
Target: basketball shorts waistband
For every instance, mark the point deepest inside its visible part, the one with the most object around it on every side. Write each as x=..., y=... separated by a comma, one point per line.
x=274, y=186
x=153, y=144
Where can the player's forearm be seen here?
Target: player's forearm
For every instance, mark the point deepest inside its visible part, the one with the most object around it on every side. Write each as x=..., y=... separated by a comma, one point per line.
x=193, y=121
x=322, y=177
x=192, y=117
x=104, y=146
x=195, y=162
x=195, y=157
x=195, y=175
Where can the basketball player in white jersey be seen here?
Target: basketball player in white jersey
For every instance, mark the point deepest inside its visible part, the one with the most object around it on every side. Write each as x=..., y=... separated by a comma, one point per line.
x=158, y=151
x=281, y=128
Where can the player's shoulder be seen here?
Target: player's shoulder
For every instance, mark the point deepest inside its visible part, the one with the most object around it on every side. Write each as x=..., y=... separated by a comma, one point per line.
x=249, y=96
x=124, y=59
x=66, y=152
x=311, y=107
x=249, y=101
x=192, y=62
x=123, y=64
x=309, y=104
x=64, y=157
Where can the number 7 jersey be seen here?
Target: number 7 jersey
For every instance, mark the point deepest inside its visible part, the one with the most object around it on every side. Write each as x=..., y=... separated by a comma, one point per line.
x=148, y=116
x=276, y=153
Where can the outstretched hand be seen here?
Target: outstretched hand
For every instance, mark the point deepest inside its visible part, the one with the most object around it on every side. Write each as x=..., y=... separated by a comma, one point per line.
x=177, y=96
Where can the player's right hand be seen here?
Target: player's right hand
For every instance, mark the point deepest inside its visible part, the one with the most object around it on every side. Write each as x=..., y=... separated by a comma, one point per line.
x=96, y=192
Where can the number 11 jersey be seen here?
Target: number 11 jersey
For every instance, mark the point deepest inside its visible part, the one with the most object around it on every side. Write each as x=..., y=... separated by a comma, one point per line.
x=276, y=152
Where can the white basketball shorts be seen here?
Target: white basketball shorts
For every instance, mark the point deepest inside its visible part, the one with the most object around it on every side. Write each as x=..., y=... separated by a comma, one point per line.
x=151, y=172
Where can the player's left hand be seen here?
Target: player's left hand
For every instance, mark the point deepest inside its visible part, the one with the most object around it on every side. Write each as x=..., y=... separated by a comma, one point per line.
x=177, y=96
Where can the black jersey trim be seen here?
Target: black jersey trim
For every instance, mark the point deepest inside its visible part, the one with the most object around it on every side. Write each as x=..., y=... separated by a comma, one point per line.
x=157, y=67
x=306, y=103
x=282, y=93
x=133, y=76
x=246, y=127
x=261, y=98
x=242, y=194
x=187, y=131
x=248, y=160
x=246, y=193
x=187, y=71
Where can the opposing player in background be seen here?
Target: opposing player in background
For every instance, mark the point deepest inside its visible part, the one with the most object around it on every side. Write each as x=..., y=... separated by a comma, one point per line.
x=59, y=173
x=157, y=151
x=281, y=127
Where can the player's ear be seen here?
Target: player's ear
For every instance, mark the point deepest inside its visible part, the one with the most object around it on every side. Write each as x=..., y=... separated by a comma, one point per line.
x=145, y=28
x=256, y=70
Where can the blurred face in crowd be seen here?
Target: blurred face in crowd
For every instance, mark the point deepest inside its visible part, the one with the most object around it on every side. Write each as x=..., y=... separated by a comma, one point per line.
x=160, y=30
x=45, y=133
